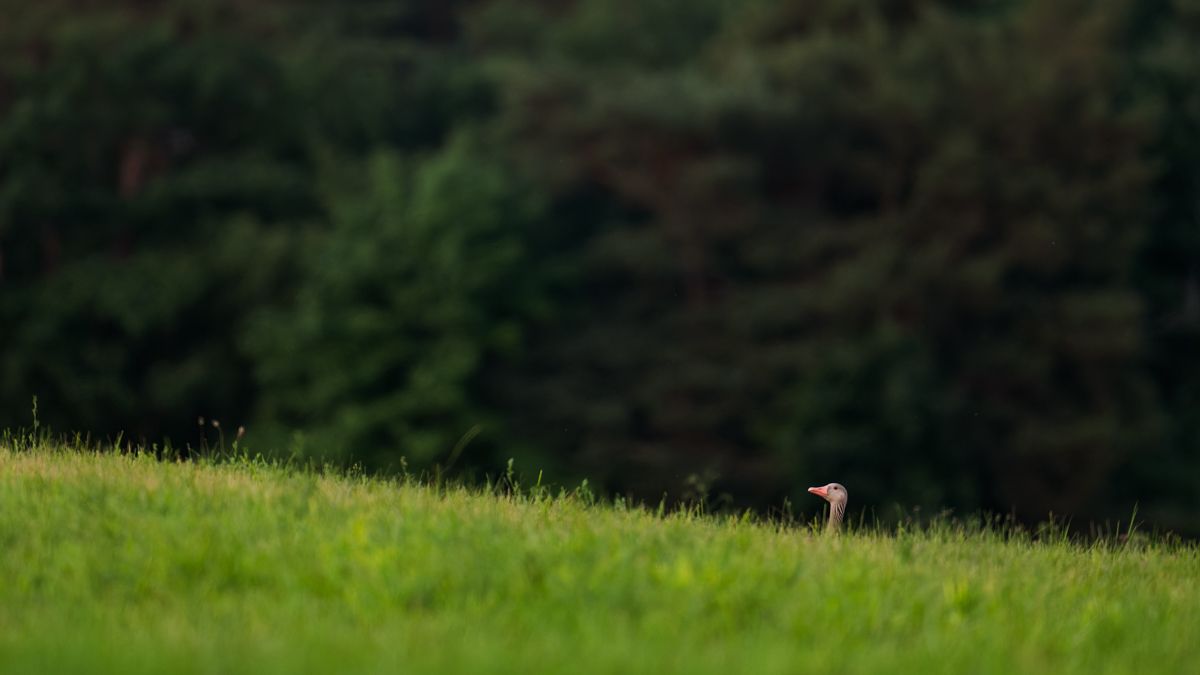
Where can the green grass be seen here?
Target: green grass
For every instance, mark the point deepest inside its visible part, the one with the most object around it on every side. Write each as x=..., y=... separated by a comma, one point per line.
x=123, y=564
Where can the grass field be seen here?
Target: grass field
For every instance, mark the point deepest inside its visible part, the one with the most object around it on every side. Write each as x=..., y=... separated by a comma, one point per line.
x=124, y=564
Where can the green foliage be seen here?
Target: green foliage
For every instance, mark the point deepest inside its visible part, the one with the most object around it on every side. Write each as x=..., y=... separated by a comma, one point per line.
x=160, y=167
x=141, y=164
x=1169, y=265
x=857, y=237
x=412, y=289
x=941, y=250
x=246, y=567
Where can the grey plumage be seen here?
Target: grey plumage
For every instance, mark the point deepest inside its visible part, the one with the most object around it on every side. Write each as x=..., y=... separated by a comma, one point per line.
x=837, y=496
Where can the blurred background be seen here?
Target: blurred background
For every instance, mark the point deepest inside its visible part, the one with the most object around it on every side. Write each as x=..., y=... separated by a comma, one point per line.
x=944, y=252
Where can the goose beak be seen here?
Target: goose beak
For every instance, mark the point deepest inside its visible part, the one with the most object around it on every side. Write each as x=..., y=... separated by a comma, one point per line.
x=820, y=492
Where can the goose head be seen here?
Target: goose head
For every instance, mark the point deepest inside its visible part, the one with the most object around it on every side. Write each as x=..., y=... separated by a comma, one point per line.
x=836, y=495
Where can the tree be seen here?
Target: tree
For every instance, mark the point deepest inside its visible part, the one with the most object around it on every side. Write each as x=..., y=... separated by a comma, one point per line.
x=414, y=289
x=160, y=164
x=894, y=246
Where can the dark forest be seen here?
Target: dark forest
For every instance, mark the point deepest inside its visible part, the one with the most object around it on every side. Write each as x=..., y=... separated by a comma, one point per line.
x=945, y=252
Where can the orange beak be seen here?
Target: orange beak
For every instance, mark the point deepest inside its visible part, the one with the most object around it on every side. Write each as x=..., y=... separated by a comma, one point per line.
x=820, y=492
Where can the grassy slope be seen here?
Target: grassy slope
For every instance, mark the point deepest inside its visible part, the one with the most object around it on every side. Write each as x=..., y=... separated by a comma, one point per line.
x=123, y=564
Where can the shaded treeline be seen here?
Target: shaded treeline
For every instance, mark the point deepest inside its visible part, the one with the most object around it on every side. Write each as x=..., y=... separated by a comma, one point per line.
x=943, y=252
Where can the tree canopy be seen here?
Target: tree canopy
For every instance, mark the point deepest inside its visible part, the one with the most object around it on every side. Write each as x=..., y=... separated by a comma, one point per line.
x=945, y=252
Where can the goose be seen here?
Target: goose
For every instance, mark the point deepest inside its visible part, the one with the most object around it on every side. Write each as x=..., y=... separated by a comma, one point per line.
x=836, y=495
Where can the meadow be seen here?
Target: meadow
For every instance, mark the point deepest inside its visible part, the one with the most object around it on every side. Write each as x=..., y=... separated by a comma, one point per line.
x=122, y=563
